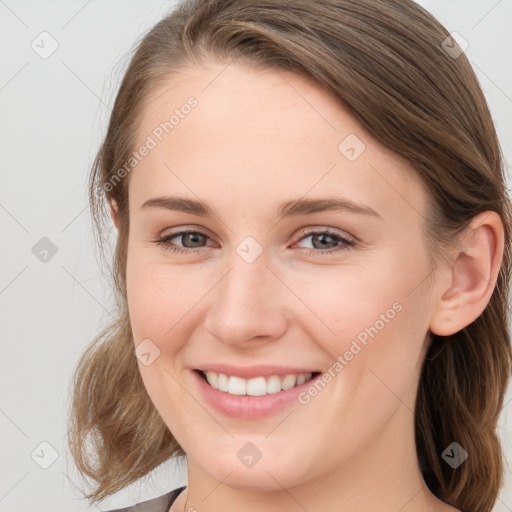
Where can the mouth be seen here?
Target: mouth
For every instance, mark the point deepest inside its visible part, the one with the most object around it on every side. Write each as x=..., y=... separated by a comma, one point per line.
x=256, y=386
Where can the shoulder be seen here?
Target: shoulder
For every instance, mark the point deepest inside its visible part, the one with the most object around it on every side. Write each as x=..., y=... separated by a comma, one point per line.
x=159, y=504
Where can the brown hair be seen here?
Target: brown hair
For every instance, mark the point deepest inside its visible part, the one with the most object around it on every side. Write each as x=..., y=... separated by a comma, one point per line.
x=385, y=62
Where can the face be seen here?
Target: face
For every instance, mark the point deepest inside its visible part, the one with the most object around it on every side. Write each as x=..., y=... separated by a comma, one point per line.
x=338, y=292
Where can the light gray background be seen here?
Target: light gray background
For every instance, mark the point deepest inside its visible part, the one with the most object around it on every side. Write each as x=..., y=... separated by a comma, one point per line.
x=54, y=112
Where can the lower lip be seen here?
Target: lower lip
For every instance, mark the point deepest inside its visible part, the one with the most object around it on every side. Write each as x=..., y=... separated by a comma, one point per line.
x=246, y=406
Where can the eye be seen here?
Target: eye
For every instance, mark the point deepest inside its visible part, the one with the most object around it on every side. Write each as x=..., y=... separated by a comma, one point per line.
x=323, y=241
x=191, y=240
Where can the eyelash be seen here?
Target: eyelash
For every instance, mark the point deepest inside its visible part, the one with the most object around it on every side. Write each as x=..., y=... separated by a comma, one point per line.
x=345, y=242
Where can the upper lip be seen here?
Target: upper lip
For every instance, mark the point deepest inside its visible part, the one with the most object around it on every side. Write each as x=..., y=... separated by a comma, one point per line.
x=249, y=372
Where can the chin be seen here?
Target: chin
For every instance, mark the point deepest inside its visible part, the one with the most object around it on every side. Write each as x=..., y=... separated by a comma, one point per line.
x=254, y=480
x=270, y=475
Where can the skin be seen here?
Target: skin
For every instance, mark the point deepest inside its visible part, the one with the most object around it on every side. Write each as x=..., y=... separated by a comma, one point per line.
x=257, y=138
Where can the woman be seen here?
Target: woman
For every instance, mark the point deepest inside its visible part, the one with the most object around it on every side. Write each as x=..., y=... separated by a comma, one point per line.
x=312, y=265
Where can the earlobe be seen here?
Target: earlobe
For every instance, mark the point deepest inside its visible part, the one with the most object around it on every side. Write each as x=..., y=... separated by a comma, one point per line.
x=114, y=213
x=472, y=276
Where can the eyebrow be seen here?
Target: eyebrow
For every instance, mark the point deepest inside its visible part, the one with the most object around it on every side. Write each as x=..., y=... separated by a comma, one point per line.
x=287, y=209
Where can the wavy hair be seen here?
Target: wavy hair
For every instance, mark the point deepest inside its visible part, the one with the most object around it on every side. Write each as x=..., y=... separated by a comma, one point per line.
x=386, y=62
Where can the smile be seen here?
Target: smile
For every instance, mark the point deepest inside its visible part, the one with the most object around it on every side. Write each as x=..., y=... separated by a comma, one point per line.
x=257, y=386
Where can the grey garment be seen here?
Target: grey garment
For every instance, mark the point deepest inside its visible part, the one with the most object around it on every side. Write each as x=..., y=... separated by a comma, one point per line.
x=160, y=504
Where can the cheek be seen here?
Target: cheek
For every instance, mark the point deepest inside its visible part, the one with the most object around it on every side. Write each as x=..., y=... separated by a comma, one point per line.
x=158, y=302
x=338, y=307
x=158, y=297
x=369, y=317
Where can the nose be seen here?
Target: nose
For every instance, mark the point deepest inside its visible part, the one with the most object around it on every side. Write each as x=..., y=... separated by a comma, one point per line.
x=247, y=305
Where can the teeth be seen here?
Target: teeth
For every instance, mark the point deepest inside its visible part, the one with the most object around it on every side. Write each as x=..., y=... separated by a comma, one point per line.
x=237, y=386
x=257, y=386
x=222, y=382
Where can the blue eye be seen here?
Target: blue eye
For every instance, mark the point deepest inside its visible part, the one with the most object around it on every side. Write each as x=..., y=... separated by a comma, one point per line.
x=192, y=241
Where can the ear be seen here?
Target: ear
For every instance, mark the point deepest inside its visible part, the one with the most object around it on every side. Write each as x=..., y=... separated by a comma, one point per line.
x=114, y=213
x=471, y=279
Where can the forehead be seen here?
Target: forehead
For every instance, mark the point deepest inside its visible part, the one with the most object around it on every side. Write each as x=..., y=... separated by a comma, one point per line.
x=230, y=131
